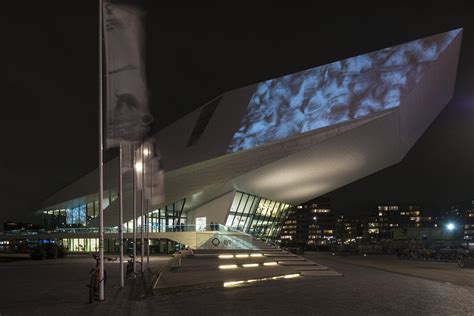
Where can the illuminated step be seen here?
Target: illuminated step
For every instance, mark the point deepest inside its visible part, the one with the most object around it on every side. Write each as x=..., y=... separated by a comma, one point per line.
x=242, y=255
x=271, y=278
x=228, y=266
x=250, y=265
x=226, y=256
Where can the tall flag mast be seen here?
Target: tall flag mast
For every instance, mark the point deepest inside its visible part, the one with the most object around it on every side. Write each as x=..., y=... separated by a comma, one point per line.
x=127, y=119
x=101, y=165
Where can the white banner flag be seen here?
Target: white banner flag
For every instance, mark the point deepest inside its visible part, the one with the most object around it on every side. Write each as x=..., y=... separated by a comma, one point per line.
x=128, y=118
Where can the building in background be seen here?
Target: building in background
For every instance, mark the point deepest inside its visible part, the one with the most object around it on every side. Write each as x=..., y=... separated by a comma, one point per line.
x=469, y=225
x=392, y=216
x=350, y=229
x=311, y=225
x=389, y=218
x=461, y=216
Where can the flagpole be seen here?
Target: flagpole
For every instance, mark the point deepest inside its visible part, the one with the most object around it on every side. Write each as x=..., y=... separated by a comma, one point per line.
x=134, y=188
x=142, y=236
x=147, y=233
x=101, y=165
x=122, y=281
x=150, y=159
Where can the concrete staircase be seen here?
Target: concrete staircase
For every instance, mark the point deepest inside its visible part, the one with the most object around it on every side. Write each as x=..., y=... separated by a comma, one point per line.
x=202, y=268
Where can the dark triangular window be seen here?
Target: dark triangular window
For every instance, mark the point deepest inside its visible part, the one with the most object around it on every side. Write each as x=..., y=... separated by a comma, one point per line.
x=204, y=118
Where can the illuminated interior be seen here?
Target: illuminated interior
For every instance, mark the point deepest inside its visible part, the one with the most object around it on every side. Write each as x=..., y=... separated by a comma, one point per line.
x=255, y=215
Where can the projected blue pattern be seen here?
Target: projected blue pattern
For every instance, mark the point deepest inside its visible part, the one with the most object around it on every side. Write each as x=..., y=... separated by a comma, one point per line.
x=76, y=215
x=337, y=92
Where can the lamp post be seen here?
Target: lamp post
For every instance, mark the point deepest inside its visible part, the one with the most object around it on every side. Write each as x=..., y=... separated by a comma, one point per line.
x=450, y=226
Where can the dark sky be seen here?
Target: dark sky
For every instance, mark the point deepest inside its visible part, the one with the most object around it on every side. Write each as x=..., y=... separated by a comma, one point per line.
x=49, y=85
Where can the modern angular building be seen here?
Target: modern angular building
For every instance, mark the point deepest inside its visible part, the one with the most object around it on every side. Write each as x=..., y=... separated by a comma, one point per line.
x=246, y=157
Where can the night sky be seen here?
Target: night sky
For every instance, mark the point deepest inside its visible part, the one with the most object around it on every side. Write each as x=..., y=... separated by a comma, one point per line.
x=50, y=84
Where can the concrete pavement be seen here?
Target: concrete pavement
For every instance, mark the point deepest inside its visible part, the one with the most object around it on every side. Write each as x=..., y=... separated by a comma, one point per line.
x=361, y=291
x=436, y=271
x=58, y=288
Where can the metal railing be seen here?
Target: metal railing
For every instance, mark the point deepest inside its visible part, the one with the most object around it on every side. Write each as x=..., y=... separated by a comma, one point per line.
x=211, y=236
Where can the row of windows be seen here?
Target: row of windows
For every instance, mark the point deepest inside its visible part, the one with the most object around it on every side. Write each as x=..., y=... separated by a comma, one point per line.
x=258, y=216
x=81, y=244
x=322, y=231
x=412, y=213
x=165, y=219
x=388, y=208
x=321, y=210
x=75, y=216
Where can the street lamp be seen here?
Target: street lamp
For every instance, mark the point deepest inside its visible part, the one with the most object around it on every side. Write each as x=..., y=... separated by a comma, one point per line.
x=138, y=166
x=450, y=226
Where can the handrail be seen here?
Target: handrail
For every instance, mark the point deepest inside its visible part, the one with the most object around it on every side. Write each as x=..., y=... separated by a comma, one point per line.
x=163, y=229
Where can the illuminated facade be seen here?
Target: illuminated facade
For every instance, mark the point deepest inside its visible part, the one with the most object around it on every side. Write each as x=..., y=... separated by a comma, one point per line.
x=461, y=215
x=257, y=216
x=335, y=93
x=244, y=158
x=310, y=225
x=75, y=215
x=392, y=216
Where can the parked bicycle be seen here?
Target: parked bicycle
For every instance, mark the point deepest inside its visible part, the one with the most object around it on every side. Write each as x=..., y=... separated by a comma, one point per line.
x=449, y=255
x=130, y=274
x=95, y=278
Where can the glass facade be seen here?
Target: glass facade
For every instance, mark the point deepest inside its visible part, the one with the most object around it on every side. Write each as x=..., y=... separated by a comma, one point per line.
x=81, y=244
x=111, y=245
x=164, y=219
x=257, y=216
x=77, y=216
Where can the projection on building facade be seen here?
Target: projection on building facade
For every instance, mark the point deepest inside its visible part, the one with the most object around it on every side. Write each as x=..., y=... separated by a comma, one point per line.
x=337, y=92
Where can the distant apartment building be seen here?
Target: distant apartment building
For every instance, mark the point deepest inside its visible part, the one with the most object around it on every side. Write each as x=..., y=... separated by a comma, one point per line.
x=310, y=225
x=349, y=229
x=388, y=217
x=469, y=223
x=461, y=215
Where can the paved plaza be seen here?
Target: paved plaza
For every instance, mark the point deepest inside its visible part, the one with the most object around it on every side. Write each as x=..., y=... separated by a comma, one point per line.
x=431, y=270
x=58, y=287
